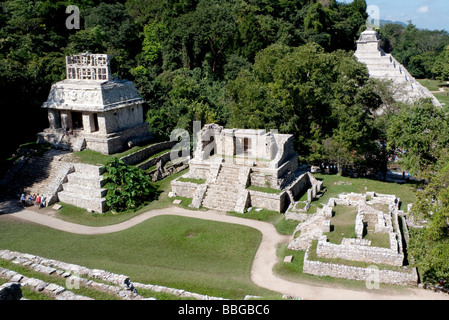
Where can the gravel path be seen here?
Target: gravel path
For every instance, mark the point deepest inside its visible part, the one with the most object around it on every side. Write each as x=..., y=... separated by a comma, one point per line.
x=264, y=261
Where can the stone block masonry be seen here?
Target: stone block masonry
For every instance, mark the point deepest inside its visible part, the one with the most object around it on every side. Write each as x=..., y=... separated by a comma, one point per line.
x=143, y=154
x=358, y=252
x=84, y=188
x=407, y=277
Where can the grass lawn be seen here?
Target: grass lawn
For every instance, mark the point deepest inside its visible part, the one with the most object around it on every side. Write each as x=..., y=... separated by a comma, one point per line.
x=436, y=85
x=443, y=97
x=192, y=254
x=433, y=85
x=343, y=223
x=285, y=227
x=97, y=158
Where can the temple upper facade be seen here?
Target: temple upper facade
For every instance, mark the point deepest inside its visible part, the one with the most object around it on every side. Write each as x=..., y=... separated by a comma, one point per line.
x=91, y=110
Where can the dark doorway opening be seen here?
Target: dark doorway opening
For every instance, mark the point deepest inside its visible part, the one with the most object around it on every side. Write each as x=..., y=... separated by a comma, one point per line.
x=77, y=120
x=95, y=128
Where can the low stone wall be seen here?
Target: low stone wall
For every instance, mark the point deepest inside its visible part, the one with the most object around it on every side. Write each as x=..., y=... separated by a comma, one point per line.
x=153, y=161
x=184, y=189
x=198, y=170
x=409, y=277
x=260, y=179
x=145, y=153
x=358, y=252
x=121, y=283
x=269, y=201
x=299, y=185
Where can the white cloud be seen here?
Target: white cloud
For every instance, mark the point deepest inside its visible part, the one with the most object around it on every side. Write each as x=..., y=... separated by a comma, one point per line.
x=423, y=9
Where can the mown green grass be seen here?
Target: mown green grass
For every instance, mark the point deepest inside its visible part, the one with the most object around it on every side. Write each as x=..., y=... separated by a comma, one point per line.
x=433, y=85
x=97, y=158
x=283, y=226
x=195, y=255
x=443, y=97
x=343, y=224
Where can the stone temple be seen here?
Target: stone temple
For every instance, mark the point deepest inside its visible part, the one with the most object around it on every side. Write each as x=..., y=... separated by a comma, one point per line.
x=382, y=65
x=238, y=169
x=91, y=110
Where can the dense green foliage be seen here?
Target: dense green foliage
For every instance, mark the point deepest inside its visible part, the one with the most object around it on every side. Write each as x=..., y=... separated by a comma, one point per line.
x=129, y=187
x=325, y=99
x=422, y=52
x=421, y=132
x=430, y=245
x=180, y=54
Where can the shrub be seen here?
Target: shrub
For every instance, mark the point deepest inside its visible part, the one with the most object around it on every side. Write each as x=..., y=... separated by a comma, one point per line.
x=128, y=187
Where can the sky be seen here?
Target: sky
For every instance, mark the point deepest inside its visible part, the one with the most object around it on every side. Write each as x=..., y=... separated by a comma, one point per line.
x=424, y=14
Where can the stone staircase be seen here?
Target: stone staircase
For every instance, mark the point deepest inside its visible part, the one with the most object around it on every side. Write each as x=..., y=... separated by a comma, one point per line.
x=84, y=188
x=382, y=65
x=223, y=193
x=35, y=174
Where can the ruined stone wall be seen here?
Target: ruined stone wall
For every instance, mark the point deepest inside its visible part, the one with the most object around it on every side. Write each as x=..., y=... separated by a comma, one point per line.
x=269, y=201
x=300, y=185
x=263, y=179
x=145, y=153
x=184, y=189
x=198, y=169
x=358, y=252
x=406, y=277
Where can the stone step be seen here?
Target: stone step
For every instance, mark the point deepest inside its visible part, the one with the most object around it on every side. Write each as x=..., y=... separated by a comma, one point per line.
x=85, y=190
x=217, y=204
x=226, y=181
x=82, y=179
x=89, y=203
x=224, y=191
x=220, y=199
x=89, y=169
x=220, y=206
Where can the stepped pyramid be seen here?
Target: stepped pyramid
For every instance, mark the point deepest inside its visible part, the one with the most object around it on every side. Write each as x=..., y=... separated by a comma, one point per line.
x=382, y=65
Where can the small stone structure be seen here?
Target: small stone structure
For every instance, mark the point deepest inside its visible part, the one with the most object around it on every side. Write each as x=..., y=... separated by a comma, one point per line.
x=384, y=66
x=231, y=160
x=389, y=221
x=91, y=110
